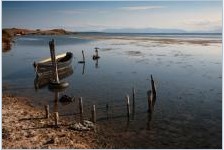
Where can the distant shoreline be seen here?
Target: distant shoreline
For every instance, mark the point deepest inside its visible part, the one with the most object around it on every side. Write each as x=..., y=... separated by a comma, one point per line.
x=8, y=34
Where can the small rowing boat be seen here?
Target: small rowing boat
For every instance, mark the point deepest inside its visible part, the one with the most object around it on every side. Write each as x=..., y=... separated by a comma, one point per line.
x=44, y=67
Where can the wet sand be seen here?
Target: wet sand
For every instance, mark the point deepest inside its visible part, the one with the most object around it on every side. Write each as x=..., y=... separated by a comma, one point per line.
x=158, y=40
x=24, y=126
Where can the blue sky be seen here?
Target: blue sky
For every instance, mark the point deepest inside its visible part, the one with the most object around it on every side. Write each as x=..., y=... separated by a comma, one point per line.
x=100, y=15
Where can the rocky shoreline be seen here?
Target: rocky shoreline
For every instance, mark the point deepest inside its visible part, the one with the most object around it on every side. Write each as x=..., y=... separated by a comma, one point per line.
x=24, y=126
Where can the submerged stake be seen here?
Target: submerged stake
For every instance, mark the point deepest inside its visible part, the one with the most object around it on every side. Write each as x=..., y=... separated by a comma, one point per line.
x=128, y=106
x=56, y=118
x=93, y=114
x=80, y=105
x=47, y=111
x=153, y=87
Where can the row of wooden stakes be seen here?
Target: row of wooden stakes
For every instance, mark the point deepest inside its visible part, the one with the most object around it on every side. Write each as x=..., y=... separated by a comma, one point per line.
x=56, y=114
x=151, y=102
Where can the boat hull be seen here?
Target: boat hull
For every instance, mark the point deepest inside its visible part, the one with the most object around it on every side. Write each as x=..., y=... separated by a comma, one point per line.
x=44, y=68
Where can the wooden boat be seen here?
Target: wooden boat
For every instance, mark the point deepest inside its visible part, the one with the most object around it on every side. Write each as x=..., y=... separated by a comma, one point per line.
x=42, y=81
x=44, y=67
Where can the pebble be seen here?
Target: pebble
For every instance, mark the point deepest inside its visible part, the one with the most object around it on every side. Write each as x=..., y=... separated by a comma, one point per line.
x=88, y=124
x=79, y=127
x=50, y=141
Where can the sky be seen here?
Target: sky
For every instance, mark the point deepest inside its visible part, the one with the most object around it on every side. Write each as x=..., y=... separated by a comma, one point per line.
x=101, y=15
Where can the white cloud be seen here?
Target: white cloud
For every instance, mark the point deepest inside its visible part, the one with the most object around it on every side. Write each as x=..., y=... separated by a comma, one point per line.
x=203, y=22
x=142, y=7
x=71, y=11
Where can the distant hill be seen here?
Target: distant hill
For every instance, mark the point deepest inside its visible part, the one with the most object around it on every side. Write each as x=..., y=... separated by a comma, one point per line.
x=9, y=33
x=158, y=30
x=144, y=30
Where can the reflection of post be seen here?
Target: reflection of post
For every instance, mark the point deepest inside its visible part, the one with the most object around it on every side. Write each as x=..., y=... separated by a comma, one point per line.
x=149, y=121
x=83, y=69
x=133, y=103
x=153, y=88
x=96, y=64
x=151, y=104
x=81, y=109
x=128, y=106
x=149, y=94
x=107, y=109
x=127, y=125
x=56, y=99
x=83, y=56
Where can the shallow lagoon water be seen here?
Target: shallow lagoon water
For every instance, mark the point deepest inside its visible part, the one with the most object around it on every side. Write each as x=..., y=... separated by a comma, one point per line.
x=188, y=109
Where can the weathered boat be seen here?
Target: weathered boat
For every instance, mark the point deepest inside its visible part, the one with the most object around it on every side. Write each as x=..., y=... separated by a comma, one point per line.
x=44, y=67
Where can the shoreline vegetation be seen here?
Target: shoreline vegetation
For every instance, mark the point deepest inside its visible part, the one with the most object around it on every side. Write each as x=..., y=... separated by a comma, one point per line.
x=25, y=126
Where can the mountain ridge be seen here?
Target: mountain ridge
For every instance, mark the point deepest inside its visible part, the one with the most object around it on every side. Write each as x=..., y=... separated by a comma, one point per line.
x=157, y=30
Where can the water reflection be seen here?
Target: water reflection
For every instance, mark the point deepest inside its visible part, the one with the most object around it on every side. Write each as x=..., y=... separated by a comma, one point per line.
x=115, y=74
x=127, y=124
x=83, y=69
x=151, y=101
x=56, y=99
x=42, y=81
x=96, y=64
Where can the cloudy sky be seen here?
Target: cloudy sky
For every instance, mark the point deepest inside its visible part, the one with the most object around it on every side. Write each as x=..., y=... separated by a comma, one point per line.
x=97, y=16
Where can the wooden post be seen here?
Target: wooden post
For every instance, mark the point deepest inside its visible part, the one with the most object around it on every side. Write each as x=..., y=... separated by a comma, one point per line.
x=153, y=87
x=80, y=105
x=53, y=60
x=56, y=99
x=81, y=109
x=128, y=106
x=96, y=50
x=56, y=118
x=83, y=56
x=93, y=114
x=133, y=96
x=47, y=111
x=133, y=103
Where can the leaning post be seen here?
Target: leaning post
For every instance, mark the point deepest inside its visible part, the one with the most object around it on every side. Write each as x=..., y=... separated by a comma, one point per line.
x=153, y=87
x=53, y=60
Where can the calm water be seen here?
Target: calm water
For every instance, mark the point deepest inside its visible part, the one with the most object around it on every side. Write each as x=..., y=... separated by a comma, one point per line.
x=188, y=110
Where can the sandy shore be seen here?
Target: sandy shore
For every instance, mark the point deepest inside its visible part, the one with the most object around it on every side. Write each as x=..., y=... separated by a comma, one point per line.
x=24, y=126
